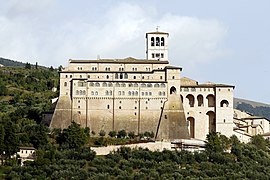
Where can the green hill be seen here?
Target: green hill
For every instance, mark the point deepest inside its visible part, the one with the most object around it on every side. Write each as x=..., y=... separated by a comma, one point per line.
x=255, y=108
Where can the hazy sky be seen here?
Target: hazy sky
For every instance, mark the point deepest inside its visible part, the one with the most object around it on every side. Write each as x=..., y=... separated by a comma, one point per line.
x=224, y=41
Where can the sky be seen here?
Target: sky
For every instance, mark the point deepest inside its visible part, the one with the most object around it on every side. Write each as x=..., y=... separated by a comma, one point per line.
x=225, y=41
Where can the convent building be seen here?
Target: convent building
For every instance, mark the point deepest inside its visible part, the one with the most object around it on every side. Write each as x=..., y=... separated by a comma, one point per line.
x=142, y=95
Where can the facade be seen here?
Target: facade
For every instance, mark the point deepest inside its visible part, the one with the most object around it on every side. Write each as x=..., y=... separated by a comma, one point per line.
x=247, y=125
x=142, y=95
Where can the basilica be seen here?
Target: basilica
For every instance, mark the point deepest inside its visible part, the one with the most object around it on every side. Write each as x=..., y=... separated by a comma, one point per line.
x=140, y=95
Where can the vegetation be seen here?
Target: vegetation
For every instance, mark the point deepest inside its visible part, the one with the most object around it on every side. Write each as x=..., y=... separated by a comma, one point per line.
x=223, y=159
x=257, y=111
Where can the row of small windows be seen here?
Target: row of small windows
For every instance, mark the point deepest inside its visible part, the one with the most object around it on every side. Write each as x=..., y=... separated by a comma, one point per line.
x=157, y=55
x=157, y=41
x=121, y=76
x=120, y=68
x=120, y=93
x=193, y=89
x=91, y=84
x=81, y=92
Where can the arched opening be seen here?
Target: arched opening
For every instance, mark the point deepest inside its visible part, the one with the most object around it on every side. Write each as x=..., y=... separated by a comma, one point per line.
x=200, y=100
x=224, y=103
x=191, y=100
x=191, y=122
x=182, y=99
x=172, y=90
x=152, y=41
x=212, y=121
x=104, y=84
x=162, y=42
x=157, y=41
x=211, y=100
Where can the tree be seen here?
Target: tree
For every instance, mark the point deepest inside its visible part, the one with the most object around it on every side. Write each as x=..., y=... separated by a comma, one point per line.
x=11, y=143
x=37, y=135
x=74, y=136
x=216, y=143
x=51, y=68
x=259, y=142
x=27, y=66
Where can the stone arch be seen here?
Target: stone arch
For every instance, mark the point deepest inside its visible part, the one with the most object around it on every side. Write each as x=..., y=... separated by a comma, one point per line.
x=200, y=100
x=212, y=121
x=172, y=90
x=211, y=100
x=191, y=122
x=191, y=100
x=224, y=103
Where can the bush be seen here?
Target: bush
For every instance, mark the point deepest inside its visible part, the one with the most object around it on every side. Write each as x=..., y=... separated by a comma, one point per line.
x=121, y=134
x=112, y=134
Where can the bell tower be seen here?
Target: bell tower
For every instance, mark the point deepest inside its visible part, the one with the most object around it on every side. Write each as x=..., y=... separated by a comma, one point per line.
x=157, y=46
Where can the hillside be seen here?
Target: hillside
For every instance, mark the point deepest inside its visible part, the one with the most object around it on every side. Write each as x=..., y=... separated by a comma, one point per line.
x=8, y=62
x=255, y=108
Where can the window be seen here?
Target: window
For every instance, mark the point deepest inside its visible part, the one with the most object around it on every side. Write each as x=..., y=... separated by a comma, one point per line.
x=149, y=85
x=173, y=77
x=110, y=84
x=163, y=93
x=157, y=41
x=129, y=93
x=153, y=55
x=97, y=84
x=136, y=85
x=70, y=76
x=126, y=76
x=65, y=84
x=92, y=93
x=88, y=76
x=152, y=41
x=66, y=76
x=91, y=84
x=160, y=77
x=162, y=41
x=162, y=85
x=123, y=85
x=106, y=92
x=110, y=93
x=117, y=85
x=77, y=92
x=123, y=93
x=136, y=93
x=81, y=84
x=119, y=107
x=108, y=106
x=150, y=93
x=119, y=93
x=156, y=85
x=142, y=93
x=143, y=85
x=146, y=93
x=80, y=76
x=134, y=77
x=130, y=85
x=96, y=93
x=107, y=76
x=104, y=84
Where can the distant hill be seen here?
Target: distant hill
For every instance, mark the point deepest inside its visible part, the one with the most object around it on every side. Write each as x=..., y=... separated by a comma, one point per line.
x=252, y=107
x=8, y=62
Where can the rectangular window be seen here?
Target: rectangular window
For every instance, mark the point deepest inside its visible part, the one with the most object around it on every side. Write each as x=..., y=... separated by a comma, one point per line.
x=153, y=55
x=162, y=55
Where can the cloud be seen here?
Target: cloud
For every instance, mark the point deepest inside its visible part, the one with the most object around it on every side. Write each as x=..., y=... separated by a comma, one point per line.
x=117, y=32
